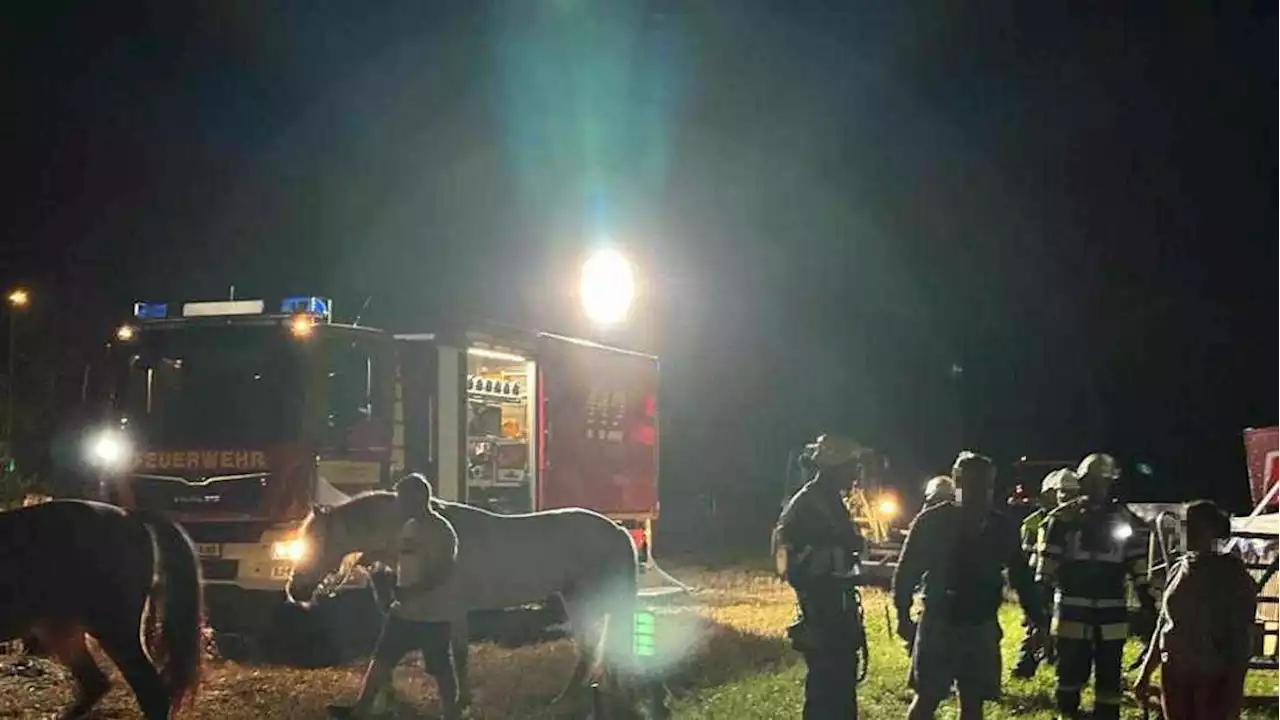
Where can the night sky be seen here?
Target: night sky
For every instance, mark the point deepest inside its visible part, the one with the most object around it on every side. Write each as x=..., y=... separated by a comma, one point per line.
x=833, y=203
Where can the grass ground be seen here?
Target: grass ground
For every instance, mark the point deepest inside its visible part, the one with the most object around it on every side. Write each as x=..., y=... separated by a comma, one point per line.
x=769, y=686
x=723, y=650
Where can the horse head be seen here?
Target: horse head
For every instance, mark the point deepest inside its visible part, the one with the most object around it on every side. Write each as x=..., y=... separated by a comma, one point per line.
x=334, y=540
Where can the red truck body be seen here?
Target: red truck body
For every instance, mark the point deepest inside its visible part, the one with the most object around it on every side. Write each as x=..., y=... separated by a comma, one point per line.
x=240, y=423
x=1262, y=454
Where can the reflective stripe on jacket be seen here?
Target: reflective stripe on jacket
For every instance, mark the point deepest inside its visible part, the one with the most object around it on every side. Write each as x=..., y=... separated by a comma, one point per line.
x=1087, y=553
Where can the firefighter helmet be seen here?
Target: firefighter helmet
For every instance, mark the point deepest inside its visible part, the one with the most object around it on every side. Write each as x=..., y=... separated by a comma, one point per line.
x=1099, y=464
x=1062, y=479
x=940, y=488
x=831, y=451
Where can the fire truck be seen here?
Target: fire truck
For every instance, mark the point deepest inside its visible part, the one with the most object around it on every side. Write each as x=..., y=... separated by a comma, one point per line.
x=234, y=417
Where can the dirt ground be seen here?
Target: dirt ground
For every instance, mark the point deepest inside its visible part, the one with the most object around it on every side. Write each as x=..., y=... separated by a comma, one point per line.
x=507, y=682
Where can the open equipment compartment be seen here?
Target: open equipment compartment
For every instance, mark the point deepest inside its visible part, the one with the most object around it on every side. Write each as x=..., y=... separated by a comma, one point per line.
x=501, y=428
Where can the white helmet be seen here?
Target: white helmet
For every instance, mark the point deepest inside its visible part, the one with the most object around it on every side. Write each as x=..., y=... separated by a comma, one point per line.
x=940, y=488
x=1099, y=464
x=1058, y=480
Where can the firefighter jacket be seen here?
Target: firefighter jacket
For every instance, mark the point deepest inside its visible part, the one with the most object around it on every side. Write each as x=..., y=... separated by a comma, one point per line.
x=1086, y=552
x=815, y=534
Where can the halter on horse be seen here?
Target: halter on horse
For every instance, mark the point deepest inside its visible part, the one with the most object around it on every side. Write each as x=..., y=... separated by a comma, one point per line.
x=503, y=561
x=71, y=568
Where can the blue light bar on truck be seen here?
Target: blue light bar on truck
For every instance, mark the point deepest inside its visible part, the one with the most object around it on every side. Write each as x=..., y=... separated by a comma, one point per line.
x=150, y=311
x=307, y=304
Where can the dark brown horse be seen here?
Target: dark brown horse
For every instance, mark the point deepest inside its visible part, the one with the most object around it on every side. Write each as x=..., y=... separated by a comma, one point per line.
x=70, y=568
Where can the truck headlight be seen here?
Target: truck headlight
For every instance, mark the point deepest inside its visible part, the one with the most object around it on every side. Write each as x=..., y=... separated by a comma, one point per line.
x=1122, y=532
x=291, y=550
x=109, y=450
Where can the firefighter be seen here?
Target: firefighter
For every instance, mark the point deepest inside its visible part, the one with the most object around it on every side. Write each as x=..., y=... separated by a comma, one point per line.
x=939, y=490
x=816, y=543
x=1086, y=550
x=1058, y=487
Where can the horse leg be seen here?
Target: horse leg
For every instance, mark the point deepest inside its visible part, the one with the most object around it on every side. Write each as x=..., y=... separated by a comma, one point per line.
x=126, y=651
x=460, y=644
x=68, y=646
x=586, y=640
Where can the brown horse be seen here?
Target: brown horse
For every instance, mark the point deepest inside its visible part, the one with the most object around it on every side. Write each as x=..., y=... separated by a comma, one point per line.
x=72, y=568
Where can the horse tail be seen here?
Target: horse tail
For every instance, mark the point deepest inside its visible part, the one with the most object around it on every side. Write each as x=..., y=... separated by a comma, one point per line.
x=182, y=609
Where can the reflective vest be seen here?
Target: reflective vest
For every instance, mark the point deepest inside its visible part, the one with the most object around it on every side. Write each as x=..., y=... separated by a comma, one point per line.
x=1031, y=530
x=1086, y=553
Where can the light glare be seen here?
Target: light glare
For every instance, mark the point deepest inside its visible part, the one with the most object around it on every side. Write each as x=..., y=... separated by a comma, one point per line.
x=608, y=287
x=302, y=326
x=109, y=449
x=291, y=550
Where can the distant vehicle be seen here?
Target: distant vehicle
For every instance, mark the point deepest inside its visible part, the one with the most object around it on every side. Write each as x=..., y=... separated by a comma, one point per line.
x=235, y=416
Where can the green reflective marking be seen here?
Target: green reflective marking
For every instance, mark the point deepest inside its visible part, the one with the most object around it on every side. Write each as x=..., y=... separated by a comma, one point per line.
x=645, y=643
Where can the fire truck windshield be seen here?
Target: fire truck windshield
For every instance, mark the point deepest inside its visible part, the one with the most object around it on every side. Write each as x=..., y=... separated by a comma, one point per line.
x=212, y=386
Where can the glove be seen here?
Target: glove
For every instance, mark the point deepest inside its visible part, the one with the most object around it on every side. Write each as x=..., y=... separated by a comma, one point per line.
x=1041, y=633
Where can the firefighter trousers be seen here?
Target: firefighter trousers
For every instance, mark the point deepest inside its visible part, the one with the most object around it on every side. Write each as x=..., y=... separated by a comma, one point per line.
x=1076, y=658
x=829, y=642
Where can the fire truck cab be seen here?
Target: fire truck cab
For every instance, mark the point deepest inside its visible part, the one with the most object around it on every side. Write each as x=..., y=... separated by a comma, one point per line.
x=235, y=416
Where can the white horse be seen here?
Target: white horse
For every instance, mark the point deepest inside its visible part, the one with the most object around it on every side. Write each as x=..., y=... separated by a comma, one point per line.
x=504, y=561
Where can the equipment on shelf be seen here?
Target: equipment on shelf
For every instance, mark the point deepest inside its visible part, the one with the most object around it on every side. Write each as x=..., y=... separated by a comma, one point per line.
x=503, y=389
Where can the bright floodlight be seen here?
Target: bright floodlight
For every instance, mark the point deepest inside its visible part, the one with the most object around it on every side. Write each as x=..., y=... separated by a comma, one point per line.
x=109, y=449
x=608, y=287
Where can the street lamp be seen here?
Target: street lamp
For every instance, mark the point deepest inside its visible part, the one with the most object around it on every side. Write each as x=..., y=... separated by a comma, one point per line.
x=607, y=287
x=18, y=299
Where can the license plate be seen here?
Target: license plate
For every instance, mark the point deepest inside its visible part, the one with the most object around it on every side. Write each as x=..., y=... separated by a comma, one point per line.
x=212, y=550
x=280, y=572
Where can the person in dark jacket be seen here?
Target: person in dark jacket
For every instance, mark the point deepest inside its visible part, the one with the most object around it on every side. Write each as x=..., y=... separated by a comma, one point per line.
x=818, y=543
x=960, y=551
x=426, y=555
